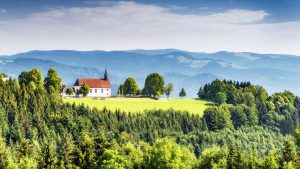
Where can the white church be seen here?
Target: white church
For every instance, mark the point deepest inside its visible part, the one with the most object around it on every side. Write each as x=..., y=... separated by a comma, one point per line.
x=99, y=87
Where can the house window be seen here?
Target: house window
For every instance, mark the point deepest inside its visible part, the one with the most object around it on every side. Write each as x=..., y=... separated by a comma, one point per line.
x=95, y=90
x=107, y=89
x=90, y=90
x=101, y=90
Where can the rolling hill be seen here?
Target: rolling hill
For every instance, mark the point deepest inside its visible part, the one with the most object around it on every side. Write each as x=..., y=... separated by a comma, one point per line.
x=185, y=69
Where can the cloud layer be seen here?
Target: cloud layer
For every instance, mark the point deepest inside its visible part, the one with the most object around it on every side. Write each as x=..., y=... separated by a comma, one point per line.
x=130, y=25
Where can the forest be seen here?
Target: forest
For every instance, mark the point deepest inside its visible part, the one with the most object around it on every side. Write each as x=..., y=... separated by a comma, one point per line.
x=245, y=128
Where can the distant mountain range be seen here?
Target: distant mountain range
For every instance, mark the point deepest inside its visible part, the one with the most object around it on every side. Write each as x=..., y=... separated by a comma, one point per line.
x=184, y=69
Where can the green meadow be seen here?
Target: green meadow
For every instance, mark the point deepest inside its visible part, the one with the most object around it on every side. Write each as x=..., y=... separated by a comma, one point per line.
x=140, y=104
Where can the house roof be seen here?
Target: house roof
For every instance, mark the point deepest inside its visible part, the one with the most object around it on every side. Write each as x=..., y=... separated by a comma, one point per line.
x=93, y=82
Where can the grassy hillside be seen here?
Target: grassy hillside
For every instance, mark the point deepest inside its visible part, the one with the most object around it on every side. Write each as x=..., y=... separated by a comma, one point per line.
x=140, y=104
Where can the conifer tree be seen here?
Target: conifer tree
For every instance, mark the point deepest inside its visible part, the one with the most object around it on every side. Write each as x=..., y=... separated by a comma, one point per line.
x=182, y=93
x=289, y=153
x=271, y=161
x=48, y=156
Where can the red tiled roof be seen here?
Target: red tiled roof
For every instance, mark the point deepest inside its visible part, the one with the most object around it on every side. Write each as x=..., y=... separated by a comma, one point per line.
x=93, y=83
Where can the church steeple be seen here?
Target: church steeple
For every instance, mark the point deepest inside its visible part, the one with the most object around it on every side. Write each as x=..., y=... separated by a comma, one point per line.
x=105, y=75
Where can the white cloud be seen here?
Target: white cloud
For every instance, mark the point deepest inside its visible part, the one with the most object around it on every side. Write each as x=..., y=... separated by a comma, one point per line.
x=99, y=2
x=129, y=25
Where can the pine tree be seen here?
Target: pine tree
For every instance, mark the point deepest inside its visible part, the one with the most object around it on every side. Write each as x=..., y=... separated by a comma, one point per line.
x=5, y=158
x=67, y=151
x=271, y=161
x=182, y=93
x=288, y=153
x=49, y=156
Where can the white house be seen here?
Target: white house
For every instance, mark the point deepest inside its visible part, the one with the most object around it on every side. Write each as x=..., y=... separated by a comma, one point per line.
x=98, y=87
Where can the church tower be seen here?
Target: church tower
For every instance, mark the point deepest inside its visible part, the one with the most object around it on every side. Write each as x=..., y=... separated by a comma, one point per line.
x=105, y=75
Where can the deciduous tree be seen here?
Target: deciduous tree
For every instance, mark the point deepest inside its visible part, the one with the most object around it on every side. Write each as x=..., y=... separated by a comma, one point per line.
x=169, y=89
x=34, y=76
x=217, y=117
x=154, y=85
x=70, y=91
x=3, y=75
x=214, y=157
x=84, y=90
x=220, y=97
x=167, y=154
x=53, y=79
x=130, y=86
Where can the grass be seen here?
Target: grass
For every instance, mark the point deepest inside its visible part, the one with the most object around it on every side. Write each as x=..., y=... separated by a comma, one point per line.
x=140, y=104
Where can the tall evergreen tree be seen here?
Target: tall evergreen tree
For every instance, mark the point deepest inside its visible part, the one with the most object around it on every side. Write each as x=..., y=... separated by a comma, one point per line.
x=201, y=93
x=182, y=93
x=289, y=153
x=271, y=161
x=48, y=156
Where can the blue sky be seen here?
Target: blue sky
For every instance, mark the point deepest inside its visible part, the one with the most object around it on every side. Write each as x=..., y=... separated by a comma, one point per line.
x=263, y=26
x=279, y=10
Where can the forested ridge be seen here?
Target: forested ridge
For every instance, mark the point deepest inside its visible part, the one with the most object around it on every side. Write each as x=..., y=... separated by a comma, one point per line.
x=245, y=128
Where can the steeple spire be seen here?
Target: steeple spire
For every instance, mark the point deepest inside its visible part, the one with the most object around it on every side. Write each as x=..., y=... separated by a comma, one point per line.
x=105, y=75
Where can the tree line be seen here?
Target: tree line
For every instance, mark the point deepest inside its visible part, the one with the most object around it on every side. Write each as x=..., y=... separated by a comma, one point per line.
x=39, y=130
x=154, y=87
x=250, y=105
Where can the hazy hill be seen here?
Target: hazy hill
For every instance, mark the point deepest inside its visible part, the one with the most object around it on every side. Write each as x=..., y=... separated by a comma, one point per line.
x=185, y=69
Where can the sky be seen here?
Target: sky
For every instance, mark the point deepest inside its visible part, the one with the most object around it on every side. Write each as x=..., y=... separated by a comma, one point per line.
x=260, y=26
